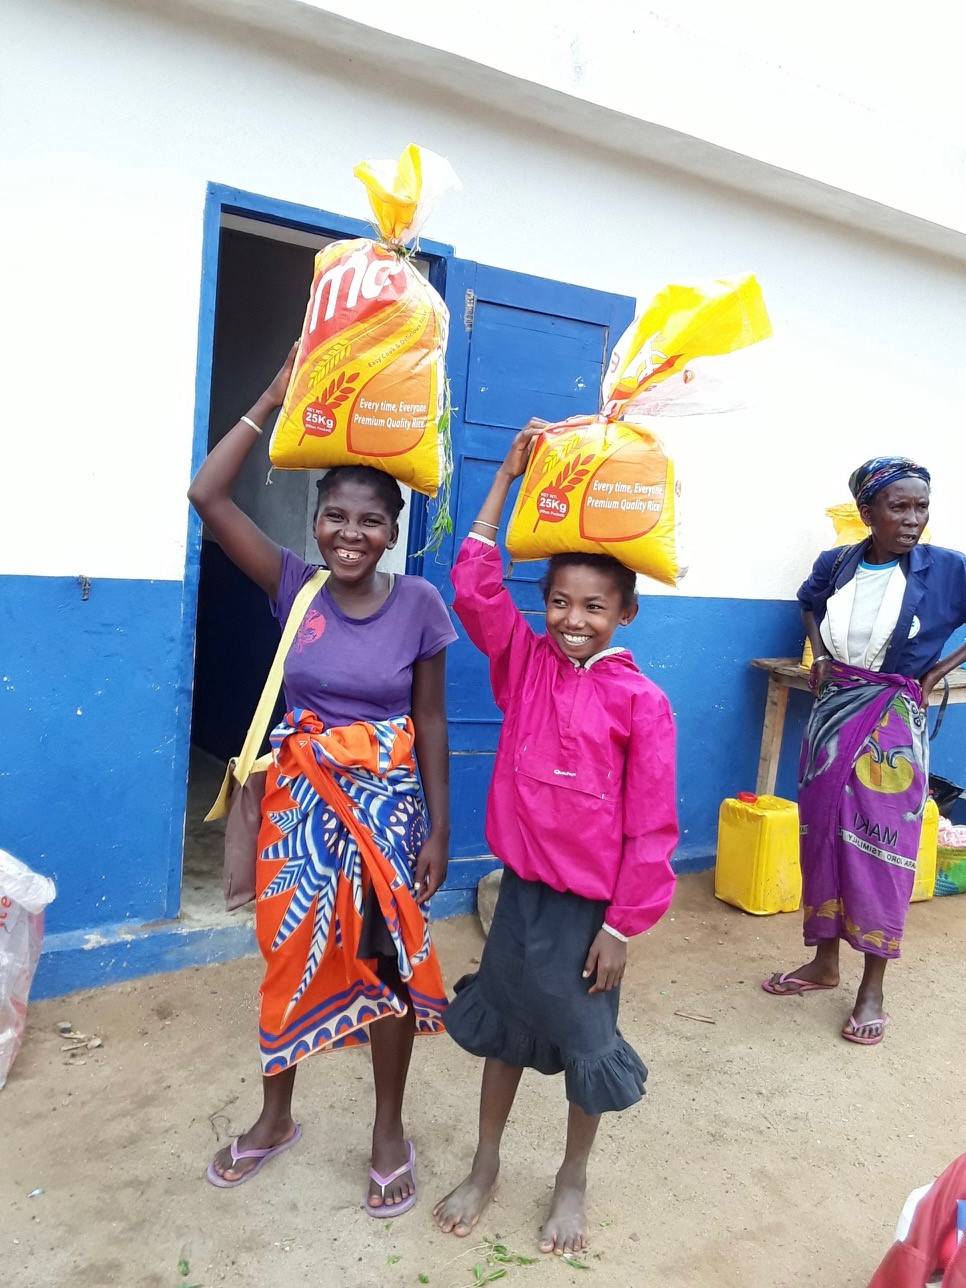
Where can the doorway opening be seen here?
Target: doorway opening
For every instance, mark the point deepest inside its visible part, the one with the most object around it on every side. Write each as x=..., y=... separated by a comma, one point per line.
x=263, y=276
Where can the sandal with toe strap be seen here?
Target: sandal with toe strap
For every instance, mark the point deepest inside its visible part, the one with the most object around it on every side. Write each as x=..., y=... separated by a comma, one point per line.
x=263, y=1156
x=387, y=1210
x=789, y=985
x=853, y=1031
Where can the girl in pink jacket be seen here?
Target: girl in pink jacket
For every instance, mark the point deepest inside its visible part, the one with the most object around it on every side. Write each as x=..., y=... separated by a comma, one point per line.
x=582, y=813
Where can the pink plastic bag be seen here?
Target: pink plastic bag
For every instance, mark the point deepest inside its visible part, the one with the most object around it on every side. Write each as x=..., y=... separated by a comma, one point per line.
x=23, y=897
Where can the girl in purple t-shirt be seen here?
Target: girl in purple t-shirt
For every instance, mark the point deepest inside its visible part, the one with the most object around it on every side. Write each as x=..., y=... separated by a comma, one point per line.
x=354, y=839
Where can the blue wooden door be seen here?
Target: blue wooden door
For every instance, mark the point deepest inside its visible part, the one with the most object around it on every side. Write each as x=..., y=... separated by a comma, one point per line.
x=519, y=346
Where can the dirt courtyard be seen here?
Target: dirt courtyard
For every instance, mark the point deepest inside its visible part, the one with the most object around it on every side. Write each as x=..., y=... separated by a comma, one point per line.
x=768, y=1153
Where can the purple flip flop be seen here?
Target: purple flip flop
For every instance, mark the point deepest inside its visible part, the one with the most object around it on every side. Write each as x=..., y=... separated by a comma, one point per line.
x=263, y=1155
x=388, y=1210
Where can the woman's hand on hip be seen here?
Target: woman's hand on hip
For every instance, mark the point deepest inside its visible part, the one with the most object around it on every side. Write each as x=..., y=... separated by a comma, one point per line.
x=431, y=867
x=608, y=957
x=929, y=682
x=819, y=674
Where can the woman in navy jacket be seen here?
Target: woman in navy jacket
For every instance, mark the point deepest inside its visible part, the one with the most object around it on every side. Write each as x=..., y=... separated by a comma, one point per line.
x=878, y=616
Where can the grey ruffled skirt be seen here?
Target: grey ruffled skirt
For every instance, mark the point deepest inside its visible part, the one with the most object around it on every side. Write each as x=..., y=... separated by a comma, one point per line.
x=528, y=1006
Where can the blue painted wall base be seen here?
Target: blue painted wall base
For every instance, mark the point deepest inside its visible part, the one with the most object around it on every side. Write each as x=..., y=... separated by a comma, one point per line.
x=77, y=959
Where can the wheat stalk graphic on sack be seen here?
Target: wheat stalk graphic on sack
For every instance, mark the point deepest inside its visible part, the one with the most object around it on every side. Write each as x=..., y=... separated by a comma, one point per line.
x=330, y=359
x=572, y=474
x=336, y=393
x=552, y=459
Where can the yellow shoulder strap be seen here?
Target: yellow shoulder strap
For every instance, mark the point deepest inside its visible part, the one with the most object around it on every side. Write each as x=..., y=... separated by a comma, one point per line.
x=241, y=766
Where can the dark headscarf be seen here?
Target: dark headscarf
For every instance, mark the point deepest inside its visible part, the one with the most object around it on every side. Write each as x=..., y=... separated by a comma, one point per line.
x=869, y=479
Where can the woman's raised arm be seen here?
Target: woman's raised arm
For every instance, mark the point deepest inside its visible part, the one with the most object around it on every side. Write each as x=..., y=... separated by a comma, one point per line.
x=210, y=493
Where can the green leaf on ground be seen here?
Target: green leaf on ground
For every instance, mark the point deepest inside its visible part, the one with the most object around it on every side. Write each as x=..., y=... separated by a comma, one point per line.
x=501, y=1254
x=576, y=1262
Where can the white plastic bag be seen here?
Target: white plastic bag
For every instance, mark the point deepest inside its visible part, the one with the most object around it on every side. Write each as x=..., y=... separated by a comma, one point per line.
x=23, y=897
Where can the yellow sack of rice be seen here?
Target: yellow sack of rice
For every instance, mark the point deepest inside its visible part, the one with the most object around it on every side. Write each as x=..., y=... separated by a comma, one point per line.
x=369, y=386
x=604, y=484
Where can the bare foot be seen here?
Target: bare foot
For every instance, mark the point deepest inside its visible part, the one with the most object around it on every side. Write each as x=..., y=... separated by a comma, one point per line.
x=265, y=1134
x=460, y=1210
x=814, y=972
x=388, y=1154
x=565, y=1230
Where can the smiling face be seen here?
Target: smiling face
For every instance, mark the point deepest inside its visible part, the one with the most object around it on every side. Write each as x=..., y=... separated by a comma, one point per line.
x=898, y=516
x=585, y=606
x=354, y=528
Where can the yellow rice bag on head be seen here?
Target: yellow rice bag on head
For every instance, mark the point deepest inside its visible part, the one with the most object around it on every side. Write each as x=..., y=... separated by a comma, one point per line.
x=369, y=386
x=604, y=484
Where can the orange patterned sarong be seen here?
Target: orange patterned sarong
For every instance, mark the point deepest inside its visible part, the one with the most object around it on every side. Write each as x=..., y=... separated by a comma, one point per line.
x=343, y=818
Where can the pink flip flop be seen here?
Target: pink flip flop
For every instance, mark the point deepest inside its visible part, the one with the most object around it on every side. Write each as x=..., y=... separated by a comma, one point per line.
x=263, y=1155
x=771, y=984
x=851, y=1031
x=387, y=1210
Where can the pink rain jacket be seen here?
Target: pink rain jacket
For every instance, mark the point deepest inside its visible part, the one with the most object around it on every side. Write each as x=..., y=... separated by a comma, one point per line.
x=583, y=791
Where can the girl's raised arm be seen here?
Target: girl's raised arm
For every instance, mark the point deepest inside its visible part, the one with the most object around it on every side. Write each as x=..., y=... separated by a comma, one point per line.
x=210, y=493
x=483, y=604
x=487, y=522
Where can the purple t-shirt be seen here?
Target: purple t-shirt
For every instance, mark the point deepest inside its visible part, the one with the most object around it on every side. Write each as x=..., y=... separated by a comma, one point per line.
x=345, y=669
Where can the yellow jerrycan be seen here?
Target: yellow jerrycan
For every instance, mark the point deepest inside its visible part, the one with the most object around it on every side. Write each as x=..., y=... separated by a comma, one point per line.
x=757, y=868
x=925, y=886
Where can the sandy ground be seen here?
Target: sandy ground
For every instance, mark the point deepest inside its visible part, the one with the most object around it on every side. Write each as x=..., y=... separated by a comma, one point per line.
x=767, y=1154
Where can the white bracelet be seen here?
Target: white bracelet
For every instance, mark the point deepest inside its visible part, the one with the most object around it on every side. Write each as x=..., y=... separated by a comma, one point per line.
x=248, y=421
x=616, y=933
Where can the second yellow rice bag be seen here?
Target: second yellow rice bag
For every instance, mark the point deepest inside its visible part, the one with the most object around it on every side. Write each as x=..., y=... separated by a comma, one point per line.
x=599, y=485
x=604, y=484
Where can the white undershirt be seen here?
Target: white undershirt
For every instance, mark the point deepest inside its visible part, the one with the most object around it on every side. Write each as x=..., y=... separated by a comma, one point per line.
x=861, y=616
x=871, y=583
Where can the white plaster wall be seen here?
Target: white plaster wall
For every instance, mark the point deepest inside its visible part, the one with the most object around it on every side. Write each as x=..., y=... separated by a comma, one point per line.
x=867, y=97
x=115, y=117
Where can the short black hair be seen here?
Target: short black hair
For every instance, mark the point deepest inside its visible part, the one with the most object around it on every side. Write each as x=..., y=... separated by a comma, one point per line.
x=384, y=486
x=624, y=580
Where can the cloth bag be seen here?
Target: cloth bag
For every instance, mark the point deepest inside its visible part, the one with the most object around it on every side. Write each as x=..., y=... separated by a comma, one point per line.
x=240, y=798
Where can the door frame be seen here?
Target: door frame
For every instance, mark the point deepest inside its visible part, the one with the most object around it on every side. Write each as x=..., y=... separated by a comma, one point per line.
x=223, y=199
